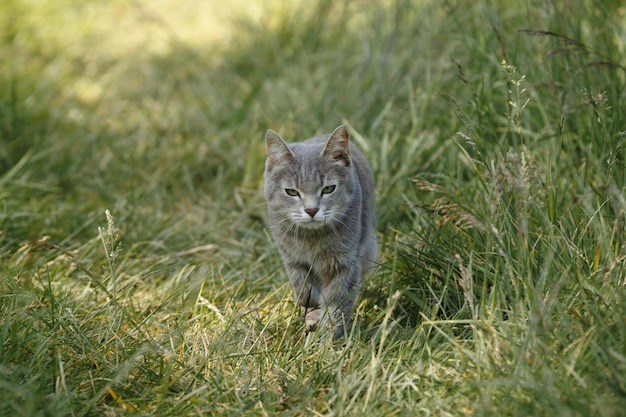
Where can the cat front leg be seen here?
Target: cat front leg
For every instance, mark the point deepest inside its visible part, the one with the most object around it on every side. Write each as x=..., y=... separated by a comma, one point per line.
x=306, y=292
x=338, y=298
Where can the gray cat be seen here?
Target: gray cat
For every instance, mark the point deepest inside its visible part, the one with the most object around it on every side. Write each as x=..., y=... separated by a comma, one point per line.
x=320, y=196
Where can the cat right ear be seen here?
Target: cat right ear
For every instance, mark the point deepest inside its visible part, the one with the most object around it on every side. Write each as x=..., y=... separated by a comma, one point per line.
x=276, y=149
x=338, y=146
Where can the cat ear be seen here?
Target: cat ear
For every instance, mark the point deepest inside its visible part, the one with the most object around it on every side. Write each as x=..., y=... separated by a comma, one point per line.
x=338, y=146
x=276, y=148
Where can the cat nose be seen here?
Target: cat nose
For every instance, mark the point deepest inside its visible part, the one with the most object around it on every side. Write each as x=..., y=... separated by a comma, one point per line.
x=312, y=211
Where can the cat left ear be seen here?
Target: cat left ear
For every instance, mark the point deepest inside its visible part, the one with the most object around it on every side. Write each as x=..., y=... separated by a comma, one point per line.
x=338, y=146
x=276, y=148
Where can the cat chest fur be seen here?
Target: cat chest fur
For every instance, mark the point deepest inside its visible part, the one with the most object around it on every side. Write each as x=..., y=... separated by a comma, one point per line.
x=323, y=259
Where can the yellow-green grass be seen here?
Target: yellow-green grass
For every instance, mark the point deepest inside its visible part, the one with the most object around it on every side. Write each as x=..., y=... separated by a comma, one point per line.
x=137, y=274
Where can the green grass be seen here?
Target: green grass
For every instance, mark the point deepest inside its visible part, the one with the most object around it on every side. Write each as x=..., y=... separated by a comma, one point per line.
x=137, y=274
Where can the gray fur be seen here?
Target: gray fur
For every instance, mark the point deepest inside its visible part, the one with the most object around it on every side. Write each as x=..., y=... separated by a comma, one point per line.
x=325, y=236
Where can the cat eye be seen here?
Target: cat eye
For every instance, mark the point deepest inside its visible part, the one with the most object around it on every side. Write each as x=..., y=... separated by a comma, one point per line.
x=328, y=189
x=292, y=192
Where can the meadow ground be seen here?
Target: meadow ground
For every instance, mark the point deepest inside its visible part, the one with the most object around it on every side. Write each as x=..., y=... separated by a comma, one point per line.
x=137, y=275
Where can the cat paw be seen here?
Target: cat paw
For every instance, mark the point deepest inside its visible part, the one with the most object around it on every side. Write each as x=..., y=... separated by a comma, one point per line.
x=313, y=317
x=321, y=318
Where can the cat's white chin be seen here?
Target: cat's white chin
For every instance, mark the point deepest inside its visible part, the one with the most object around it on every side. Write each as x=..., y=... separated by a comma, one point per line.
x=311, y=224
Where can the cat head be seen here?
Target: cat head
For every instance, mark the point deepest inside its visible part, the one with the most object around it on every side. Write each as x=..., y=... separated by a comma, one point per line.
x=309, y=184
